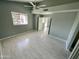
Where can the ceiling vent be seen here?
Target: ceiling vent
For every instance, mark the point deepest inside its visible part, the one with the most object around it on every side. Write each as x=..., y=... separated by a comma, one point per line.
x=45, y=10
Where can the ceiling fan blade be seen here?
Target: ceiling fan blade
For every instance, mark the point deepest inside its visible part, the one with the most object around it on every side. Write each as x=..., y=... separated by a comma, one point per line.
x=27, y=6
x=41, y=6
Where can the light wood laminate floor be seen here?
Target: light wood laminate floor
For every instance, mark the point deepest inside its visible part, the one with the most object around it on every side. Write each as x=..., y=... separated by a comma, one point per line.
x=33, y=45
x=0, y=49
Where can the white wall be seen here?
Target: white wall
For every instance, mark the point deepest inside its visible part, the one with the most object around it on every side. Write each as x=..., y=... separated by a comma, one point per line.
x=62, y=24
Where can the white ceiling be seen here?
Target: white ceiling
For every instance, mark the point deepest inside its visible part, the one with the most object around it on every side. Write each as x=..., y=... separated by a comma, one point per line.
x=26, y=0
x=57, y=2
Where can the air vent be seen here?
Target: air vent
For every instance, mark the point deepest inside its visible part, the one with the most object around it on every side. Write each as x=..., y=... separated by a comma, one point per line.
x=45, y=10
x=41, y=15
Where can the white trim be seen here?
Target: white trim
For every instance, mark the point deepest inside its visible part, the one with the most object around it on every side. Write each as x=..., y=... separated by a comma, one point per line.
x=1, y=56
x=75, y=50
x=63, y=40
x=73, y=10
x=14, y=35
x=8, y=37
x=52, y=12
x=72, y=33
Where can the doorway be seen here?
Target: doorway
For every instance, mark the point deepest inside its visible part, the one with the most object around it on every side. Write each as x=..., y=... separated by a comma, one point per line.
x=43, y=24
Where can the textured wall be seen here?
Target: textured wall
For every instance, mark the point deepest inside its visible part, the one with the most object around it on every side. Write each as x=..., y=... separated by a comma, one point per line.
x=6, y=26
x=61, y=24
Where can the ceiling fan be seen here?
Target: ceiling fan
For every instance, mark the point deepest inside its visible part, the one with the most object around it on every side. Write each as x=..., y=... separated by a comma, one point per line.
x=35, y=5
x=38, y=9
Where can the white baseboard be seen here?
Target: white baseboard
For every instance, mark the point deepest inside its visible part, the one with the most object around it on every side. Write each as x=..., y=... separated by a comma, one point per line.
x=14, y=35
x=9, y=37
x=63, y=40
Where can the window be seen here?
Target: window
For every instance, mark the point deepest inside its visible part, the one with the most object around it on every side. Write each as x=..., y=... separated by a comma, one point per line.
x=19, y=18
